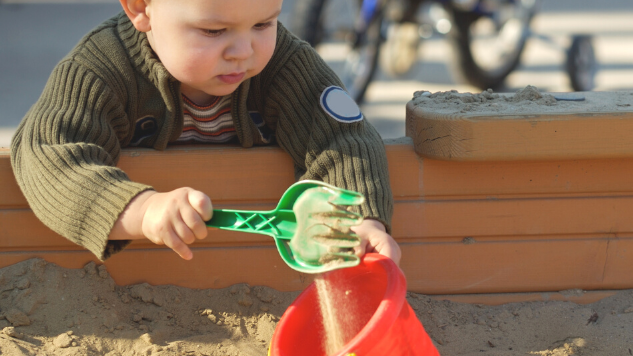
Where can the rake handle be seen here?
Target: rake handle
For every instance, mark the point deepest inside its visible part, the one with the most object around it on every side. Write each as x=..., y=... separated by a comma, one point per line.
x=279, y=223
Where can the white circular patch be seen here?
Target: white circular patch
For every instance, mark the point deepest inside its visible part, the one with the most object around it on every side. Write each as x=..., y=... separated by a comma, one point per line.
x=339, y=105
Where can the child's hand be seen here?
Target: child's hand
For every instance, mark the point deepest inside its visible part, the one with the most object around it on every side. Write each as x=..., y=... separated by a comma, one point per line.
x=174, y=219
x=374, y=238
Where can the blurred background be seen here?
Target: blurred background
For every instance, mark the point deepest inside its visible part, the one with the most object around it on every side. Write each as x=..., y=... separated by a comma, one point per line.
x=35, y=35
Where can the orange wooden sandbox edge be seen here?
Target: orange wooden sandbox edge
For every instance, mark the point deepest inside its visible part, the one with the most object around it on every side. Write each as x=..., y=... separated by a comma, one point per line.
x=596, y=127
x=476, y=231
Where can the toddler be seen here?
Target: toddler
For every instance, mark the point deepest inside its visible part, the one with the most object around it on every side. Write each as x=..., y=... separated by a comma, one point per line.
x=166, y=72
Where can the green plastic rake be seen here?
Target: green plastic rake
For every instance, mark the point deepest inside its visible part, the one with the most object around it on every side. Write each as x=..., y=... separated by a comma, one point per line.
x=311, y=226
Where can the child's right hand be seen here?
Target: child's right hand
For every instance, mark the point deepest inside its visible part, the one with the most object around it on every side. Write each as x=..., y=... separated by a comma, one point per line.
x=175, y=219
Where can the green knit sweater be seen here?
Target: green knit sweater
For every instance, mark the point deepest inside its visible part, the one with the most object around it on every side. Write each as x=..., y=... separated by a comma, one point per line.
x=65, y=151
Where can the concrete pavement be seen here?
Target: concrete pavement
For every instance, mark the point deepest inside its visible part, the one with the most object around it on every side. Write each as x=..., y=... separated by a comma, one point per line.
x=36, y=34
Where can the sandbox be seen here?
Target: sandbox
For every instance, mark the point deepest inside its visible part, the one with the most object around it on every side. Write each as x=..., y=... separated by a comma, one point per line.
x=490, y=208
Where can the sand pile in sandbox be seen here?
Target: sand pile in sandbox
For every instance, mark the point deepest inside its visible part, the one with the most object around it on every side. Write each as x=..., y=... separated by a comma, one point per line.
x=524, y=101
x=49, y=310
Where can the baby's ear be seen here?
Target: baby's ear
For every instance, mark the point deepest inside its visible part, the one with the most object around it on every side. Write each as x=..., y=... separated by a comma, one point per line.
x=136, y=10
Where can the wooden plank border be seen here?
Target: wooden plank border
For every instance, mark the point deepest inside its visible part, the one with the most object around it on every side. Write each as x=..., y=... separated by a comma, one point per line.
x=464, y=227
x=412, y=177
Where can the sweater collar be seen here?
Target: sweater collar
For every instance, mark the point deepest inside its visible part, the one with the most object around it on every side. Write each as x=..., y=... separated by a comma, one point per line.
x=141, y=53
x=145, y=60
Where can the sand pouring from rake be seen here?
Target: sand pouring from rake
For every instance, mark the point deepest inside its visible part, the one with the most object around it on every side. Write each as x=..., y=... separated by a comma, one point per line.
x=311, y=226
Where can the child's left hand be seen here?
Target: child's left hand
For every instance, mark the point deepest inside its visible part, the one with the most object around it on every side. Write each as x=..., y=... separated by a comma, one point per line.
x=374, y=238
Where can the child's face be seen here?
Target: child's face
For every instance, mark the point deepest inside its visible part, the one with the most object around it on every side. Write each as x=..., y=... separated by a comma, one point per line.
x=211, y=46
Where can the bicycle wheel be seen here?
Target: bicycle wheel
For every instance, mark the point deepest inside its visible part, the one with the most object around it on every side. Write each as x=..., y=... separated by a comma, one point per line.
x=581, y=63
x=488, y=44
x=335, y=28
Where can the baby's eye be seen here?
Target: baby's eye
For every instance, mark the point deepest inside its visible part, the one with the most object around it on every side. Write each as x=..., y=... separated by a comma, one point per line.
x=213, y=33
x=263, y=26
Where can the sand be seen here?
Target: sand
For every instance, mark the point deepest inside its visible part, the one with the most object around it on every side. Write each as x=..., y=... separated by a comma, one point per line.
x=334, y=337
x=49, y=310
x=525, y=101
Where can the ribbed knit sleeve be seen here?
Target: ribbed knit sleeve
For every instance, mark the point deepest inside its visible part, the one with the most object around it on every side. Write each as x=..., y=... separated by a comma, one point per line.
x=347, y=155
x=64, y=155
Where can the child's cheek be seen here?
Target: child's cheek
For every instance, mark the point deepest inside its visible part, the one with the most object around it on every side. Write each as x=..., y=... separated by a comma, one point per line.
x=192, y=68
x=267, y=49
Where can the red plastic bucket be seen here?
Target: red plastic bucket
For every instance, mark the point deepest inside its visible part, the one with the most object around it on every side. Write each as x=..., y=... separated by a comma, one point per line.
x=385, y=322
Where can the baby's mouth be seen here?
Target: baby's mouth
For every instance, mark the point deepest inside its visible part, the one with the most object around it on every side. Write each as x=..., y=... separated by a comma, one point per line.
x=232, y=78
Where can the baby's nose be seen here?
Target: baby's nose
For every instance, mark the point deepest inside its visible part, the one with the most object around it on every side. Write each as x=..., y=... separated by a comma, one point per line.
x=240, y=49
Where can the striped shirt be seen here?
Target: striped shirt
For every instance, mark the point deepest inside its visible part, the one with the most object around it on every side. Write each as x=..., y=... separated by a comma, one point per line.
x=207, y=124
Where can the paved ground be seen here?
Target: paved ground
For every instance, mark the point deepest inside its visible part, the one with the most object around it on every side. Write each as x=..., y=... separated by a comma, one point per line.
x=37, y=34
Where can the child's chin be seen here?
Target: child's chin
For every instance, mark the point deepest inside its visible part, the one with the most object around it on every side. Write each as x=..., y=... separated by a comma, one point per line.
x=225, y=90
